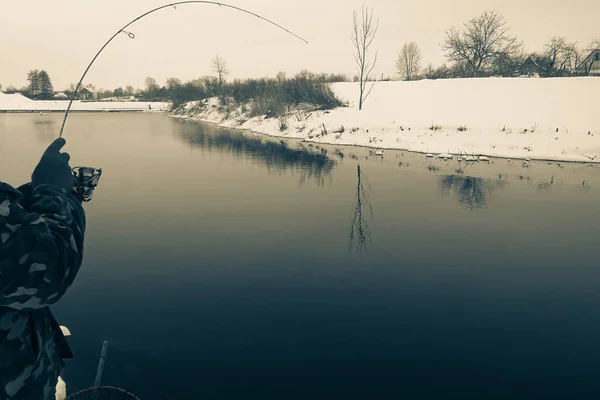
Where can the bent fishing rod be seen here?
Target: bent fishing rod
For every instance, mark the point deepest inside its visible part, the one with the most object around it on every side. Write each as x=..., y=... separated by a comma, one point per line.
x=87, y=177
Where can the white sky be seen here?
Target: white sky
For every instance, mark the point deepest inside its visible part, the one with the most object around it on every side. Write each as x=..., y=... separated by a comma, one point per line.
x=61, y=36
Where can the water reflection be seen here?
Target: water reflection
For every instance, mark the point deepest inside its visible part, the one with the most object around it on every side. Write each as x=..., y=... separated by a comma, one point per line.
x=471, y=192
x=339, y=153
x=360, y=235
x=584, y=186
x=45, y=130
x=275, y=155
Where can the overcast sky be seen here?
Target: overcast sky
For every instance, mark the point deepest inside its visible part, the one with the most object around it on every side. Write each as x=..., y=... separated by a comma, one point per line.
x=61, y=36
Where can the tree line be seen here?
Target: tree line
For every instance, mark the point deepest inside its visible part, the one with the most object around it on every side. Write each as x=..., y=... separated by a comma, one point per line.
x=484, y=46
x=39, y=87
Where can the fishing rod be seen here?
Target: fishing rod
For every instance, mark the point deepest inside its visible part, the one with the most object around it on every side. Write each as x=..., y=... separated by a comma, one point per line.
x=86, y=178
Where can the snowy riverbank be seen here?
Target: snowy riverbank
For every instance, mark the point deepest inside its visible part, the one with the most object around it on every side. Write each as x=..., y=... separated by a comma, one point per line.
x=548, y=119
x=20, y=103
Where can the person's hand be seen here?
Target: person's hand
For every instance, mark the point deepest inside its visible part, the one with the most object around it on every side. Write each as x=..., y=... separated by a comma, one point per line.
x=53, y=168
x=27, y=192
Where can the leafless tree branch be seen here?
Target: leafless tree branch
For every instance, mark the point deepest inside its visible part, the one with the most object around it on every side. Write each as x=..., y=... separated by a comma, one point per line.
x=363, y=35
x=482, y=39
x=408, y=63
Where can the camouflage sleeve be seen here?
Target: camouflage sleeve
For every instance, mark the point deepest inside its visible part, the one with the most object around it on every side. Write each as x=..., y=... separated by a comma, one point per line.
x=41, y=249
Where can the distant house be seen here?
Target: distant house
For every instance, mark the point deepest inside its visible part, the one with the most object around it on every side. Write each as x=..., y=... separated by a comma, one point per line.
x=531, y=67
x=61, y=95
x=87, y=94
x=591, y=64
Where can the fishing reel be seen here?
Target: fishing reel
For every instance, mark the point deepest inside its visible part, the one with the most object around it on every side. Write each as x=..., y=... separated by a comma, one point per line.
x=86, y=180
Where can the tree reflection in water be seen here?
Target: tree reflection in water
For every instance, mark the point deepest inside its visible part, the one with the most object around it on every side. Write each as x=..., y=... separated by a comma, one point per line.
x=360, y=235
x=45, y=129
x=471, y=192
x=276, y=155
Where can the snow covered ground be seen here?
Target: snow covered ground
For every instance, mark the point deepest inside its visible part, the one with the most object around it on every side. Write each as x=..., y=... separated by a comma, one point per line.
x=17, y=102
x=548, y=119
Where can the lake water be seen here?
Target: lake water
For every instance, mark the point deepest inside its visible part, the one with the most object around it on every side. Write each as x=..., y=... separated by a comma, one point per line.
x=224, y=265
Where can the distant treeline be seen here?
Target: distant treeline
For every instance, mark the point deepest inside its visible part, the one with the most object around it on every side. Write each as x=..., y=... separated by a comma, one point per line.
x=264, y=96
x=484, y=47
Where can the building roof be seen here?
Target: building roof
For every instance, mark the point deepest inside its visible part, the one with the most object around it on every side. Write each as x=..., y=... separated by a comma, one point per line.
x=588, y=59
x=531, y=60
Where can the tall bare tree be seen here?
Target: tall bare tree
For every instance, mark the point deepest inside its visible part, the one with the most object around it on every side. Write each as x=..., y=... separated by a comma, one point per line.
x=219, y=67
x=408, y=63
x=363, y=34
x=481, y=39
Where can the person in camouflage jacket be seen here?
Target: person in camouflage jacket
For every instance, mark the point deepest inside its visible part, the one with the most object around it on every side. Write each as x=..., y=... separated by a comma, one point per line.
x=41, y=250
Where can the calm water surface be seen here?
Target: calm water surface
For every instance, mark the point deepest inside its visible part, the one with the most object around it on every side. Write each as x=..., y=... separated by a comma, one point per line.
x=224, y=265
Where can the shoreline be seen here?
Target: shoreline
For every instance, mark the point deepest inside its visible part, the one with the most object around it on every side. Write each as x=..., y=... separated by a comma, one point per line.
x=541, y=173
x=511, y=118
x=264, y=126
x=362, y=146
x=17, y=103
x=41, y=111
x=502, y=118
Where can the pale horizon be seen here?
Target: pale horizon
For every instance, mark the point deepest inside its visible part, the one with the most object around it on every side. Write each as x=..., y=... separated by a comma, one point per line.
x=62, y=37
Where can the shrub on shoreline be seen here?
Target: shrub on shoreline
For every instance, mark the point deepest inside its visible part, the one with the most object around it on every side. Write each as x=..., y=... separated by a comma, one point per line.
x=272, y=97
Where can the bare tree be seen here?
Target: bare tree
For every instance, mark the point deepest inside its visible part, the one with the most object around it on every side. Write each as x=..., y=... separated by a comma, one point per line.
x=362, y=39
x=219, y=67
x=151, y=84
x=561, y=55
x=554, y=50
x=482, y=38
x=152, y=87
x=172, y=83
x=573, y=57
x=409, y=61
x=429, y=71
x=594, y=45
x=129, y=90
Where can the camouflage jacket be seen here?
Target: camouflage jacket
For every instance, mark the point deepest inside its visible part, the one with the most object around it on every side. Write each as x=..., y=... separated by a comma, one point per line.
x=41, y=250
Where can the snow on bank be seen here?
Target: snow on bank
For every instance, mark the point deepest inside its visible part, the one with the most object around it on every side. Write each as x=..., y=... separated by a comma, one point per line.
x=19, y=103
x=551, y=119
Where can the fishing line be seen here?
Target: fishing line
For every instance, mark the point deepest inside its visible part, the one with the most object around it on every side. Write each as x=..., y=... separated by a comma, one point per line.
x=132, y=36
